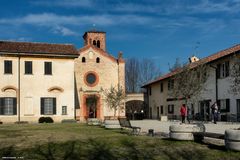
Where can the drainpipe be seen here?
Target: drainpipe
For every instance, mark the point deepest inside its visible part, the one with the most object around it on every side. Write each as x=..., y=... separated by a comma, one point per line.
x=216, y=82
x=19, y=88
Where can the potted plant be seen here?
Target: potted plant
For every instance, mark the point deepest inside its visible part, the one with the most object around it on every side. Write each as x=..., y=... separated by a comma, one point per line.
x=232, y=139
x=115, y=101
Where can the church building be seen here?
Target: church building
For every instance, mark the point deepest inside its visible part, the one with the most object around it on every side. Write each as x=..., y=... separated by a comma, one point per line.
x=95, y=72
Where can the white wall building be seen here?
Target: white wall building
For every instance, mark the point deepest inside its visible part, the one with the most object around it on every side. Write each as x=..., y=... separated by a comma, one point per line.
x=217, y=89
x=37, y=79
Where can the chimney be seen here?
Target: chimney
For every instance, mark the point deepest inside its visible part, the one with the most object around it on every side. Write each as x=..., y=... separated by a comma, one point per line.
x=193, y=59
x=120, y=55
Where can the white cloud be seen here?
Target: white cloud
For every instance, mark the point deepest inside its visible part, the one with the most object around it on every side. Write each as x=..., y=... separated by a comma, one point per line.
x=20, y=39
x=64, y=31
x=50, y=19
x=64, y=3
x=207, y=6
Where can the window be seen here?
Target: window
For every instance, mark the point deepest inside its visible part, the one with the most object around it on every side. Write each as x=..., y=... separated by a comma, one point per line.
x=83, y=59
x=97, y=60
x=91, y=78
x=94, y=43
x=7, y=67
x=48, y=106
x=150, y=112
x=224, y=105
x=161, y=109
x=161, y=87
x=98, y=44
x=170, y=84
x=170, y=108
x=150, y=91
x=64, y=110
x=8, y=106
x=158, y=115
x=48, y=68
x=223, y=70
x=28, y=67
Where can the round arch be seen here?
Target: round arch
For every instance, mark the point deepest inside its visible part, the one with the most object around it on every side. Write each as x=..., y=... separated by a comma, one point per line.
x=55, y=88
x=4, y=89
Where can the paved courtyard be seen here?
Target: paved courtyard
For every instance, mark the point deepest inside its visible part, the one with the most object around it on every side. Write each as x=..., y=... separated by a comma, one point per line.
x=160, y=126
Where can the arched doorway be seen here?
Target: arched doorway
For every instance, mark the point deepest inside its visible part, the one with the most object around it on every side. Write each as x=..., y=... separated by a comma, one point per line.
x=135, y=109
x=91, y=104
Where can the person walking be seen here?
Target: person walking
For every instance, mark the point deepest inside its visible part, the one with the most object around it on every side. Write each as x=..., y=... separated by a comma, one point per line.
x=183, y=112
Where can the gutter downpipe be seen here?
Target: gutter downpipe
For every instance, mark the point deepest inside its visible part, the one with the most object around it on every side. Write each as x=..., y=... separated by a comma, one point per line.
x=216, y=82
x=19, y=88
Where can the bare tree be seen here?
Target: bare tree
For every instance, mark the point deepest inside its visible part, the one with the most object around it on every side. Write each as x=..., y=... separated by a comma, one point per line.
x=189, y=81
x=235, y=76
x=148, y=71
x=138, y=72
x=115, y=98
x=176, y=65
x=132, y=75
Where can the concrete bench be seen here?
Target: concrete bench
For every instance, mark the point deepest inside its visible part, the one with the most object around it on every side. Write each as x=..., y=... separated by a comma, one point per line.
x=198, y=136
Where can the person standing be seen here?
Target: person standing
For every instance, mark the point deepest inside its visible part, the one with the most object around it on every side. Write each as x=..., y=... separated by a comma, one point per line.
x=212, y=111
x=215, y=113
x=183, y=112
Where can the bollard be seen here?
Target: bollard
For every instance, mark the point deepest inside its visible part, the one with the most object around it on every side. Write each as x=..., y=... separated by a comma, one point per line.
x=151, y=132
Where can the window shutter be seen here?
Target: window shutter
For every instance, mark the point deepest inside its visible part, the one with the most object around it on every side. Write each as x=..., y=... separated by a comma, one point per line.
x=54, y=105
x=45, y=67
x=50, y=68
x=42, y=106
x=161, y=87
x=218, y=70
x=1, y=105
x=14, y=106
x=10, y=66
x=227, y=68
x=227, y=105
x=219, y=105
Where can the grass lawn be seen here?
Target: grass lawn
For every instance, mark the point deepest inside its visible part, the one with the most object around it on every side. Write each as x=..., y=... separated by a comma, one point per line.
x=79, y=141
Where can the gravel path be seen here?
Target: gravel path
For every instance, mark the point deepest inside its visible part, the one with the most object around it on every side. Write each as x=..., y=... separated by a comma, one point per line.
x=159, y=126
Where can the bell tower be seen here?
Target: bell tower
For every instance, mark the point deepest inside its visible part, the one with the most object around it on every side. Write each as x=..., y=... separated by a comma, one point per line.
x=96, y=38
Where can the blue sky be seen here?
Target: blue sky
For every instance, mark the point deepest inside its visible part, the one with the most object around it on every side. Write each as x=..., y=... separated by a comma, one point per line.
x=162, y=30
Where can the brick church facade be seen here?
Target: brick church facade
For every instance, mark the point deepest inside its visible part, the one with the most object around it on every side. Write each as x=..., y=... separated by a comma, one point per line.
x=95, y=72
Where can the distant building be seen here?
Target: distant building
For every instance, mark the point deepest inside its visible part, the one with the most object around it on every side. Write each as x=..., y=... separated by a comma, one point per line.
x=217, y=90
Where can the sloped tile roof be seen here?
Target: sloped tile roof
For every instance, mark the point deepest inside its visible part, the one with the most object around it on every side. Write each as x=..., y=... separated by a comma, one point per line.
x=40, y=48
x=205, y=60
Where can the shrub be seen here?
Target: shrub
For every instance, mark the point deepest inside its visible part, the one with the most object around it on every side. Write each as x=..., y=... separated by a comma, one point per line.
x=69, y=121
x=45, y=120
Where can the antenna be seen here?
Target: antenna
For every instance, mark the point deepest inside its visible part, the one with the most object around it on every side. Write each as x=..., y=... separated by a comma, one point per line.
x=197, y=44
x=94, y=27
